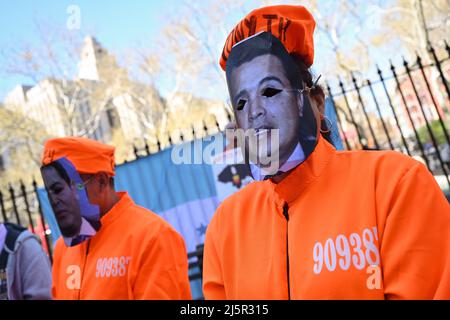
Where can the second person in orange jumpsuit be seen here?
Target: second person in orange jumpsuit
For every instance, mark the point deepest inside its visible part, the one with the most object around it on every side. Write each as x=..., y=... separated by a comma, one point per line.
x=111, y=248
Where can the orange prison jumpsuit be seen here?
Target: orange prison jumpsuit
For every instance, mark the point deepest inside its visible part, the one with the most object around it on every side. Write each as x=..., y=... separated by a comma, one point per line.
x=342, y=225
x=135, y=255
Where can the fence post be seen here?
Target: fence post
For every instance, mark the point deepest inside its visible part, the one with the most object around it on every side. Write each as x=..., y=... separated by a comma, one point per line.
x=405, y=143
x=5, y=218
x=200, y=250
x=338, y=116
x=193, y=132
x=216, y=123
x=350, y=111
x=444, y=128
x=438, y=66
x=229, y=116
x=379, y=114
x=377, y=145
x=416, y=134
x=13, y=201
x=135, y=151
x=147, y=148
x=27, y=206
x=205, y=129
x=41, y=215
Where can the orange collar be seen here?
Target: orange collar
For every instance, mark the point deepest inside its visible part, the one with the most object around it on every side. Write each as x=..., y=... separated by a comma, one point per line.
x=303, y=175
x=117, y=209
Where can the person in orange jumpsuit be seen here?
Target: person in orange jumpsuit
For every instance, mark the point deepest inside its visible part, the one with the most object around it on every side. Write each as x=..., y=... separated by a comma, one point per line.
x=327, y=224
x=111, y=248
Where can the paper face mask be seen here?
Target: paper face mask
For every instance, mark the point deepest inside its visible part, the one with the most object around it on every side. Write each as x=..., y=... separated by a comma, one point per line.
x=80, y=205
x=269, y=101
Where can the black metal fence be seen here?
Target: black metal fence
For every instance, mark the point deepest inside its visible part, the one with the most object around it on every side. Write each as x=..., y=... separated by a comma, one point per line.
x=21, y=205
x=144, y=148
x=377, y=112
x=405, y=109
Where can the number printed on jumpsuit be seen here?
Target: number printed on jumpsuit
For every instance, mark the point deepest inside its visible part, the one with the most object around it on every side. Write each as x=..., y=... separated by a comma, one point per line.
x=357, y=250
x=112, y=267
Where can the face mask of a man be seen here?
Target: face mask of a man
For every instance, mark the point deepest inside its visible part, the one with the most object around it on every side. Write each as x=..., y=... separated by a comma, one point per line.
x=270, y=104
x=77, y=218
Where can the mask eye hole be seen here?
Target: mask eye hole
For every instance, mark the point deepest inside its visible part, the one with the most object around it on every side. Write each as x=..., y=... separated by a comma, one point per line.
x=270, y=92
x=240, y=105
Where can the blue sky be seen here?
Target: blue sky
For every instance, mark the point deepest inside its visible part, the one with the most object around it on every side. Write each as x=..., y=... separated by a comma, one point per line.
x=106, y=19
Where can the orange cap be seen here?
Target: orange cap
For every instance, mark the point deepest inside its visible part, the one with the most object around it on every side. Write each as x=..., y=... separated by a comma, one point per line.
x=293, y=25
x=88, y=156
